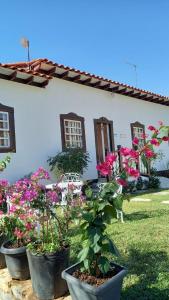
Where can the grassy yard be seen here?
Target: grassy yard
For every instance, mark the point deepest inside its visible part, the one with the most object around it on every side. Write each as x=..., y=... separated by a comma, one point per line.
x=143, y=241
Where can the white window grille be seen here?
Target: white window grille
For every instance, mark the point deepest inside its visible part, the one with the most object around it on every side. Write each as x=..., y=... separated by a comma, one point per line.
x=138, y=132
x=73, y=134
x=4, y=130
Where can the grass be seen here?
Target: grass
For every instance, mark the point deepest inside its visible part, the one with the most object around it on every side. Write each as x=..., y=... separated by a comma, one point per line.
x=143, y=241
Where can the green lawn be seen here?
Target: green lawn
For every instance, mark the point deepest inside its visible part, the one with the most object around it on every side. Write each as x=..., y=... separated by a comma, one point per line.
x=143, y=241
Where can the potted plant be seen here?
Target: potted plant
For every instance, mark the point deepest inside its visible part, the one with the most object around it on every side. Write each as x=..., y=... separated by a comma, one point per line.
x=14, y=248
x=69, y=161
x=3, y=208
x=48, y=251
x=18, y=227
x=95, y=276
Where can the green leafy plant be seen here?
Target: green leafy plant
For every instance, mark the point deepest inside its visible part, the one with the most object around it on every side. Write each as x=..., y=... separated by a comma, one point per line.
x=140, y=183
x=4, y=162
x=97, y=245
x=71, y=160
x=100, y=208
x=154, y=182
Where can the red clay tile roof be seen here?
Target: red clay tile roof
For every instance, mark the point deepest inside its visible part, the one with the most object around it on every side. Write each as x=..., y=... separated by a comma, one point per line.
x=46, y=68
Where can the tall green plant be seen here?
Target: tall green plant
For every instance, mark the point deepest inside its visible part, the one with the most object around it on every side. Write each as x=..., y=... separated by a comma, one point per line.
x=70, y=161
x=96, y=243
x=99, y=210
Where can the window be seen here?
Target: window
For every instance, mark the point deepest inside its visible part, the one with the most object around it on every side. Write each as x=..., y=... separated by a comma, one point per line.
x=138, y=130
x=72, y=131
x=7, y=129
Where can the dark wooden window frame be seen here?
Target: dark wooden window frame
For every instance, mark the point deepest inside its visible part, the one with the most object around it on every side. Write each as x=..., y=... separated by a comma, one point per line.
x=72, y=117
x=10, y=111
x=136, y=124
x=111, y=132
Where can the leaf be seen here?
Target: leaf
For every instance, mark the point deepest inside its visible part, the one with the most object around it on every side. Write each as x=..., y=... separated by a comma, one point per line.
x=101, y=205
x=96, y=237
x=96, y=248
x=83, y=253
x=88, y=217
x=109, y=213
x=89, y=193
x=86, y=263
x=84, y=226
x=104, y=264
x=144, y=161
x=118, y=202
x=113, y=248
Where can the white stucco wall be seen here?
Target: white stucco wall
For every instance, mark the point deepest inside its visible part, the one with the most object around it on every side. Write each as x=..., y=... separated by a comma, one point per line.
x=37, y=120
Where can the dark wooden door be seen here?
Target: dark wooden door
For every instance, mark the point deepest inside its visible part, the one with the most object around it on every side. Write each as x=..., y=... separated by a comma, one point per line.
x=103, y=137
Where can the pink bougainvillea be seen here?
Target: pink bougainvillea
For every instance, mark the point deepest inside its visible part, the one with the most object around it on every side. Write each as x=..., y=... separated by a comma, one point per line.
x=130, y=157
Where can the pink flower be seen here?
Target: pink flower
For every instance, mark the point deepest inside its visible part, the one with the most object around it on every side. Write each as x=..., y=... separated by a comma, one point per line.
x=132, y=172
x=151, y=128
x=122, y=182
x=149, y=153
x=41, y=173
x=104, y=168
x=134, y=154
x=144, y=136
x=135, y=141
x=4, y=183
x=28, y=226
x=125, y=151
x=154, y=142
x=160, y=123
x=111, y=158
x=165, y=138
x=18, y=233
x=71, y=187
x=52, y=196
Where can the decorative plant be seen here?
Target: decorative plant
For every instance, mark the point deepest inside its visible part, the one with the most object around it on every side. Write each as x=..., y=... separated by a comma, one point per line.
x=70, y=161
x=3, y=189
x=34, y=215
x=98, y=212
x=4, y=163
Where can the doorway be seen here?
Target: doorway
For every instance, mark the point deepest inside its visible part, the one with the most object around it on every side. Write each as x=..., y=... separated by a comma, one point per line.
x=104, y=138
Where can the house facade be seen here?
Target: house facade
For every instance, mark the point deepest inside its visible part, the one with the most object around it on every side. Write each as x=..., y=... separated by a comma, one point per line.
x=46, y=107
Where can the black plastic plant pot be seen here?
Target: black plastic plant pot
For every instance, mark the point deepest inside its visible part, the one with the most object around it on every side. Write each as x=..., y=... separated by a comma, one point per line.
x=16, y=261
x=2, y=257
x=46, y=271
x=110, y=290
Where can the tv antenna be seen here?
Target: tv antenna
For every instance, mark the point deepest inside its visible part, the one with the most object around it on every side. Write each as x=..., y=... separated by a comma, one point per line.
x=134, y=66
x=25, y=44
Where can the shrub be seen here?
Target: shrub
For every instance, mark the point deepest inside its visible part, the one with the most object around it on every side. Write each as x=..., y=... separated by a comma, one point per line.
x=140, y=183
x=154, y=182
x=69, y=161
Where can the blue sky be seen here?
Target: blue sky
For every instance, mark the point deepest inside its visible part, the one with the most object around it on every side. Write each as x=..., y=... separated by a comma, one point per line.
x=98, y=36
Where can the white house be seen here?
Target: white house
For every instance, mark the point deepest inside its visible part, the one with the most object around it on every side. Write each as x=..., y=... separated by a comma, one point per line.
x=45, y=107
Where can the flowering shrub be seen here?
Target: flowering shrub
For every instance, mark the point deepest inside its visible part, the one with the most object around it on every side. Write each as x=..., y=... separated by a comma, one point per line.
x=34, y=215
x=100, y=209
